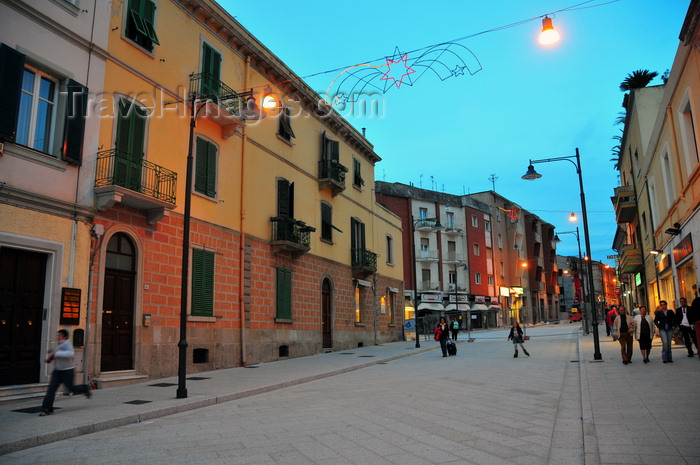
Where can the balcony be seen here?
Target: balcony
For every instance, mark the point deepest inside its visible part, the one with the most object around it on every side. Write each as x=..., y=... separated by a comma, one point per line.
x=453, y=258
x=426, y=225
x=331, y=175
x=427, y=256
x=290, y=236
x=223, y=106
x=630, y=258
x=424, y=286
x=132, y=181
x=625, y=203
x=364, y=262
x=453, y=230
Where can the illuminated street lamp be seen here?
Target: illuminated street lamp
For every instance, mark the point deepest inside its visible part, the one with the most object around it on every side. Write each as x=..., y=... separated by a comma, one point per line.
x=576, y=161
x=435, y=226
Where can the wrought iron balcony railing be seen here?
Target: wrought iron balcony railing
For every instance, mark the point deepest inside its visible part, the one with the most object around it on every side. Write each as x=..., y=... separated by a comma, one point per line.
x=118, y=168
x=293, y=235
x=205, y=87
x=364, y=258
x=333, y=172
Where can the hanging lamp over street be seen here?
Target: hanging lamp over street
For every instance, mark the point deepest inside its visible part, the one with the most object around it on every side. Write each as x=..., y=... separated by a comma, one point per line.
x=549, y=35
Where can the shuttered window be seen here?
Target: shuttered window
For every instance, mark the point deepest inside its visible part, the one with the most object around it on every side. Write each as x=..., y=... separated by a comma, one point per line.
x=326, y=222
x=202, y=282
x=211, y=71
x=205, y=168
x=140, y=23
x=284, y=294
x=284, y=130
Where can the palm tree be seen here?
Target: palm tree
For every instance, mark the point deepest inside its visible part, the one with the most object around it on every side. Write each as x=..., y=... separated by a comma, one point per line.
x=637, y=79
x=616, y=152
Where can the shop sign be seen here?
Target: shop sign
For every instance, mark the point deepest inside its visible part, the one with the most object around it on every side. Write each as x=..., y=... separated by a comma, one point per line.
x=480, y=299
x=460, y=298
x=683, y=249
x=431, y=298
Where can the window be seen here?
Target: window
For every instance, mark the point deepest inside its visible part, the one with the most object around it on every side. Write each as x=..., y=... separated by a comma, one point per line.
x=36, y=110
x=202, y=282
x=475, y=221
x=487, y=225
x=453, y=279
x=390, y=306
x=389, y=249
x=326, y=222
x=285, y=199
x=476, y=249
x=140, y=23
x=500, y=241
x=129, y=145
x=477, y=278
x=503, y=270
x=211, y=71
x=357, y=241
x=687, y=123
x=450, y=221
x=284, y=127
x=489, y=253
x=31, y=114
x=358, y=304
x=644, y=224
x=357, y=178
x=205, y=168
x=667, y=172
x=424, y=244
x=490, y=280
x=284, y=294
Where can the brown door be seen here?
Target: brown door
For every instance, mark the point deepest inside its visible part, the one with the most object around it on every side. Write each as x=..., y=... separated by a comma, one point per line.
x=118, y=306
x=22, y=275
x=326, y=315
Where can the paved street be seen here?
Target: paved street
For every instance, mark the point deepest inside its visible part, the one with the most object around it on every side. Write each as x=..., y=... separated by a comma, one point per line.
x=394, y=404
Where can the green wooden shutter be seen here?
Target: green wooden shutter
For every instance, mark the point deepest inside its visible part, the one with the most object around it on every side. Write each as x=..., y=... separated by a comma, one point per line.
x=148, y=16
x=284, y=294
x=205, y=168
x=11, y=72
x=211, y=70
x=76, y=111
x=202, y=282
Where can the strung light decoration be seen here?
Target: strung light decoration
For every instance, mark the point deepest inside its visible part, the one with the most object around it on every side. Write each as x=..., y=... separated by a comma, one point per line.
x=549, y=35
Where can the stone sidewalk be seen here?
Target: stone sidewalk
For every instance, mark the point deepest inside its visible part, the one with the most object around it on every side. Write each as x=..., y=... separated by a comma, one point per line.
x=606, y=413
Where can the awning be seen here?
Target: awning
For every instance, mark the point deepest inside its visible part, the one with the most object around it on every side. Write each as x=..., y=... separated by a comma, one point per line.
x=479, y=307
x=431, y=306
x=463, y=307
x=494, y=307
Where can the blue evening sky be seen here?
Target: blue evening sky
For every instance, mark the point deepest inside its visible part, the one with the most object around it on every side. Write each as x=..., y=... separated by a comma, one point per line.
x=450, y=132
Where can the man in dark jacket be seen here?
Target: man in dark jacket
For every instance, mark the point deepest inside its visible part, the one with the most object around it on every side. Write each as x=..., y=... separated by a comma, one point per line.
x=686, y=326
x=665, y=320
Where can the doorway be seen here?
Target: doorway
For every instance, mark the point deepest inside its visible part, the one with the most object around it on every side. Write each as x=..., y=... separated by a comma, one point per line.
x=118, y=305
x=22, y=280
x=326, y=322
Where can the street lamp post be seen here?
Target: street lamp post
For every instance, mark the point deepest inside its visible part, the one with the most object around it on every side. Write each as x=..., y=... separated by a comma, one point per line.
x=579, y=271
x=576, y=161
x=435, y=226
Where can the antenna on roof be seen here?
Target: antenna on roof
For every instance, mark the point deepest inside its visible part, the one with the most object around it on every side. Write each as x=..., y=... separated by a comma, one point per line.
x=493, y=178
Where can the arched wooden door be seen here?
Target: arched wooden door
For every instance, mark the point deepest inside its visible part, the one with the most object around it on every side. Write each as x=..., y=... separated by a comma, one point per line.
x=118, y=305
x=326, y=321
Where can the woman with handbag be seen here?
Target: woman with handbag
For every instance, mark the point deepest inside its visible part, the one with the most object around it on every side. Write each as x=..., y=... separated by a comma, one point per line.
x=516, y=334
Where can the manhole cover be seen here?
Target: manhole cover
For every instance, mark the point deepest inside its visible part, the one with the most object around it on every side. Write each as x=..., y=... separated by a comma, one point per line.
x=32, y=409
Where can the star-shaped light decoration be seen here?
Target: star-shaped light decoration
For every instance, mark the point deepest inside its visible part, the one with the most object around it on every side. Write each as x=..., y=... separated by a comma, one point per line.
x=512, y=212
x=402, y=59
x=459, y=70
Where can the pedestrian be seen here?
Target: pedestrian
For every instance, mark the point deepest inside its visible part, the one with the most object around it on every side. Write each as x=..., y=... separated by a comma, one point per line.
x=516, y=334
x=607, y=328
x=665, y=320
x=623, y=326
x=610, y=319
x=455, y=328
x=687, y=328
x=442, y=334
x=694, y=313
x=63, y=373
x=644, y=332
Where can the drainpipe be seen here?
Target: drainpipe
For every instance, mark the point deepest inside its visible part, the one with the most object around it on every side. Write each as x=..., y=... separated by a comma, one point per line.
x=241, y=290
